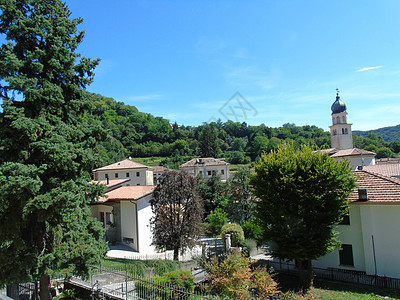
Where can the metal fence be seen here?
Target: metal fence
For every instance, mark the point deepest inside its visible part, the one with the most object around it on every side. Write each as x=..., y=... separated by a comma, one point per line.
x=340, y=275
x=111, y=284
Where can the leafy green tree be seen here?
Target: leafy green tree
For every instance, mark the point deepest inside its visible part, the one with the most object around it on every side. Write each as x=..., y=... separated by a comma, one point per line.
x=208, y=141
x=46, y=146
x=241, y=201
x=302, y=195
x=178, y=212
x=215, y=221
x=212, y=191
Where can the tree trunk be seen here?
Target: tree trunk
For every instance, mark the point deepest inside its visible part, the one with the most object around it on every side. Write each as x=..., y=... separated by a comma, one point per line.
x=306, y=275
x=176, y=254
x=45, y=287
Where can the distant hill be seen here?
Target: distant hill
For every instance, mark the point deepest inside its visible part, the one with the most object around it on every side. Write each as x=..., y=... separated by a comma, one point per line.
x=389, y=134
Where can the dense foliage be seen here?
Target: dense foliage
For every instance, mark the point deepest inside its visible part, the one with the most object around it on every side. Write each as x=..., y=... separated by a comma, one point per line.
x=389, y=134
x=236, y=233
x=137, y=134
x=302, y=195
x=46, y=145
x=373, y=142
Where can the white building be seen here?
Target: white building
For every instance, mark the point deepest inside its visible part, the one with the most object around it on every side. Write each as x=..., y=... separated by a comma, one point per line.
x=369, y=236
x=125, y=210
x=207, y=166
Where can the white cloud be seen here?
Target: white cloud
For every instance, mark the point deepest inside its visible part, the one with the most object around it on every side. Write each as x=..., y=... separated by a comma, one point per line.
x=369, y=68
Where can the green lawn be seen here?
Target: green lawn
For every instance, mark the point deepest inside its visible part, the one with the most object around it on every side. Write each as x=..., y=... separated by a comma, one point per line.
x=349, y=295
x=329, y=290
x=341, y=291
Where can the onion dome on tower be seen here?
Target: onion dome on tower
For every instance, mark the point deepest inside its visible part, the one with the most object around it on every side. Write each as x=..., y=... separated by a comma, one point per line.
x=338, y=106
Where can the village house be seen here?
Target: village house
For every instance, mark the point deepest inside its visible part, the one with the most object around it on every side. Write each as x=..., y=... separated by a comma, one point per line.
x=207, y=166
x=370, y=242
x=125, y=210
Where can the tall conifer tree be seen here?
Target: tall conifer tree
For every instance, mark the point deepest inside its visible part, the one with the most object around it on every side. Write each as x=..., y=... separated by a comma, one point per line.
x=45, y=145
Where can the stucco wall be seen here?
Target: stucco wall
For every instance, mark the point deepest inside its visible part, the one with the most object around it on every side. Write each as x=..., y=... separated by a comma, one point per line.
x=373, y=234
x=348, y=234
x=145, y=176
x=144, y=215
x=195, y=170
x=381, y=222
x=128, y=221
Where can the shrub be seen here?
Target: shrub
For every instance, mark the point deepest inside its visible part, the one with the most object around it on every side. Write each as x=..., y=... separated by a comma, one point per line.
x=215, y=221
x=236, y=232
x=178, y=280
x=234, y=279
x=253, y=231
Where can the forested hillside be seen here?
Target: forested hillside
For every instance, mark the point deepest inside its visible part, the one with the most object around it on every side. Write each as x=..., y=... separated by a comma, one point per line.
x=389, y=134
x=136, y=134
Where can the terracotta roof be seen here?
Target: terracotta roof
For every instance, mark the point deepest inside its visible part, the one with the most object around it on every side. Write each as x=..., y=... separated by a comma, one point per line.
x=129, y=192
x=329, y=151
x=125, y=164
x=389, y=170
x=381, y=189
x=159, y=169
x=387, y=160
x=111, y=182
x=204, y=161
x=352, y=152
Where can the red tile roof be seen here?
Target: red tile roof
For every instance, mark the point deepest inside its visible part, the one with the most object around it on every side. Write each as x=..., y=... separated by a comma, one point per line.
x=352, y=152
x=204, y=161
x=381, y=189
x=389, y=170
x=111, y=182
x=125, y=164
x=127, y=193
x=159, y=169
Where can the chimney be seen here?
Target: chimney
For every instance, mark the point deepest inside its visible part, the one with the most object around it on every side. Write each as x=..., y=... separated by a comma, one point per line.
x=362, y=195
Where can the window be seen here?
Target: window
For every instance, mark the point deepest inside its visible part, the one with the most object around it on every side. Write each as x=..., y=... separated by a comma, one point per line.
x=201, y=172
x=127, y=174
x=346, y=220
x=116, y=175
x=209, y=173
x=138, y=184
x=346, y=255
x=108, y=218
x=222, y=172
x=137, y=174
x=346, y=131
x=334, y=132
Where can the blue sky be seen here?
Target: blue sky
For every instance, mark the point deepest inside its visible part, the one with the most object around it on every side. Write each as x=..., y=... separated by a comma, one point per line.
x=184, y=60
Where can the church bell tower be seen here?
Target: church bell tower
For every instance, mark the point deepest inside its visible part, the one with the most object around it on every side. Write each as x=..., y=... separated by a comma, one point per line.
x=341, y=135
